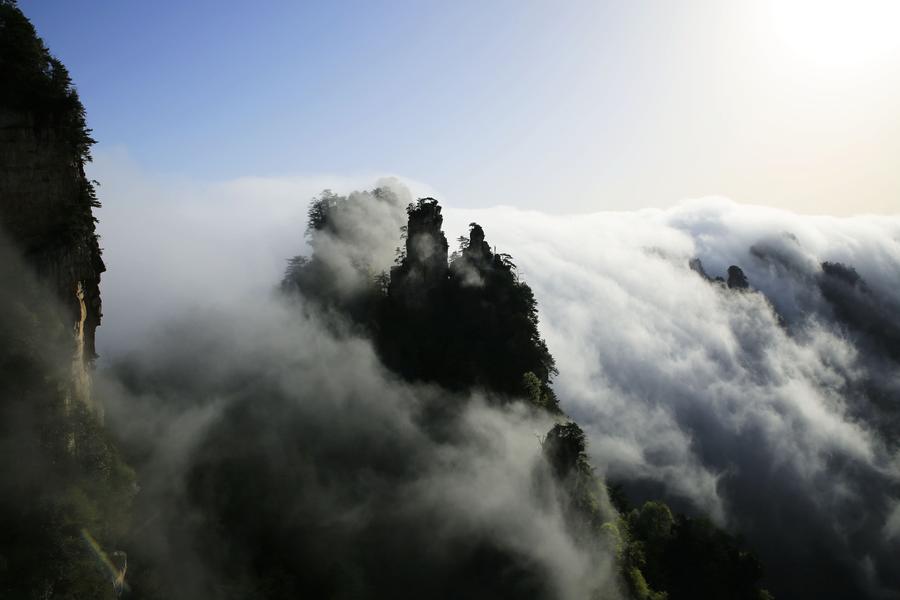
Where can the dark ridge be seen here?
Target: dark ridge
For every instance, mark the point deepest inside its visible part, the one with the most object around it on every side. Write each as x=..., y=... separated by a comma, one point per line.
x=696, y=265
x=469, y=323
x=859, y=309
x=46, y=201
x=64, y=482
x=736, y=279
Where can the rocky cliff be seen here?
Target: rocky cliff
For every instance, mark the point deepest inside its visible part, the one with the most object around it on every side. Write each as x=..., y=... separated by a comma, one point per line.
x=46, y=201
x=424, y=264
x=65, y=496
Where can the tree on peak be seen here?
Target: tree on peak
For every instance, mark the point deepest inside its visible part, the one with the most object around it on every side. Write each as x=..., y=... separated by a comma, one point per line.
x=319, y=211
x=476, y=245
x=35, y=82
x=565, y=449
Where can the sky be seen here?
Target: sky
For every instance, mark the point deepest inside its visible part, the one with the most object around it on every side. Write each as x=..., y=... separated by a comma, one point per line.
x=563, y=107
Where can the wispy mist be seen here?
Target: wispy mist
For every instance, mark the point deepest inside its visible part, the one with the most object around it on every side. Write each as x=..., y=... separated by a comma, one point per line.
x=346, y=482
x=769, y=410
x=766, y=408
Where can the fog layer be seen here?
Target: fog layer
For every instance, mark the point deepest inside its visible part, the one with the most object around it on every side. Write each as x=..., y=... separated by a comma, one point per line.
x=773, y=410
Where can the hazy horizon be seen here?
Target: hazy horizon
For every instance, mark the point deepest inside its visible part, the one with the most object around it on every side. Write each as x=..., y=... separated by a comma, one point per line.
x=567, y=108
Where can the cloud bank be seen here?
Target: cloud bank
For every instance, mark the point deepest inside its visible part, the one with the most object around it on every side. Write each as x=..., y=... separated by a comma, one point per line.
x=772, y=410
x=273, y=450
x=277, y=455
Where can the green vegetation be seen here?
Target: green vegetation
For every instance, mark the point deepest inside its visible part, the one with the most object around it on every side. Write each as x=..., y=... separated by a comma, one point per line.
x=35, y=86
x=63, y=477
x=37, y=83
x=65, y=492
x=686, y=557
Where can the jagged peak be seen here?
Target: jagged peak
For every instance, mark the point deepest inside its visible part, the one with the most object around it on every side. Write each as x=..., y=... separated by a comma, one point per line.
x=696, y=265
x=423, y=265
x=736, y=278
x=425, y=213
x=425, y=221
x=477, y=249
x=844, y=273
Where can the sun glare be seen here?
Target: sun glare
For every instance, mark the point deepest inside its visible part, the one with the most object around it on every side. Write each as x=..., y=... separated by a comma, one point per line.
x=839, y=32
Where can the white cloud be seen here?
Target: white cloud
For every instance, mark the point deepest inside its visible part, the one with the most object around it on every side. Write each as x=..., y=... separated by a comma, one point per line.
x=679, y=383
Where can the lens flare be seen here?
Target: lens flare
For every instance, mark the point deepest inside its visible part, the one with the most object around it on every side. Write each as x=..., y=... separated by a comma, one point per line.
x=114, y=566
x=837, y=32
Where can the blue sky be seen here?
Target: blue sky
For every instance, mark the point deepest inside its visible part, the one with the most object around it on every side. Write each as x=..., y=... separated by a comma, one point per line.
x=561, y=106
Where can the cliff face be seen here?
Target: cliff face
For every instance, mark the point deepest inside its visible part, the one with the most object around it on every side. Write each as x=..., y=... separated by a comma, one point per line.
x=45, y=199
x=68, y=487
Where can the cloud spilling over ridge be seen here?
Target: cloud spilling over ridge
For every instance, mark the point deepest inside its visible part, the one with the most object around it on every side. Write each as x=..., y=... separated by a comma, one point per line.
x=755, y=407
x=275, y=450
x=769, y=410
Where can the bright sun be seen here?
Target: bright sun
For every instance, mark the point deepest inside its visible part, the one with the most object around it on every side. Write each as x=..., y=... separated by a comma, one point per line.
x=839, y=33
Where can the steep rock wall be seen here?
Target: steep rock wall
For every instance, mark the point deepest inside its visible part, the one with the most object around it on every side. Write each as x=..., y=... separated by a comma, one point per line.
x=42, y=210
x=46, y=201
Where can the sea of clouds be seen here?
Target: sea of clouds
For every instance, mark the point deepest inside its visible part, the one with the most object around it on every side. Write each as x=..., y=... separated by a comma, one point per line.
x=770, y=410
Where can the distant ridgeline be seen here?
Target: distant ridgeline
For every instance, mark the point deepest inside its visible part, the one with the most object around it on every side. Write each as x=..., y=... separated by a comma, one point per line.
x=64, y=490
x=868, y=319
x=467, y=322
